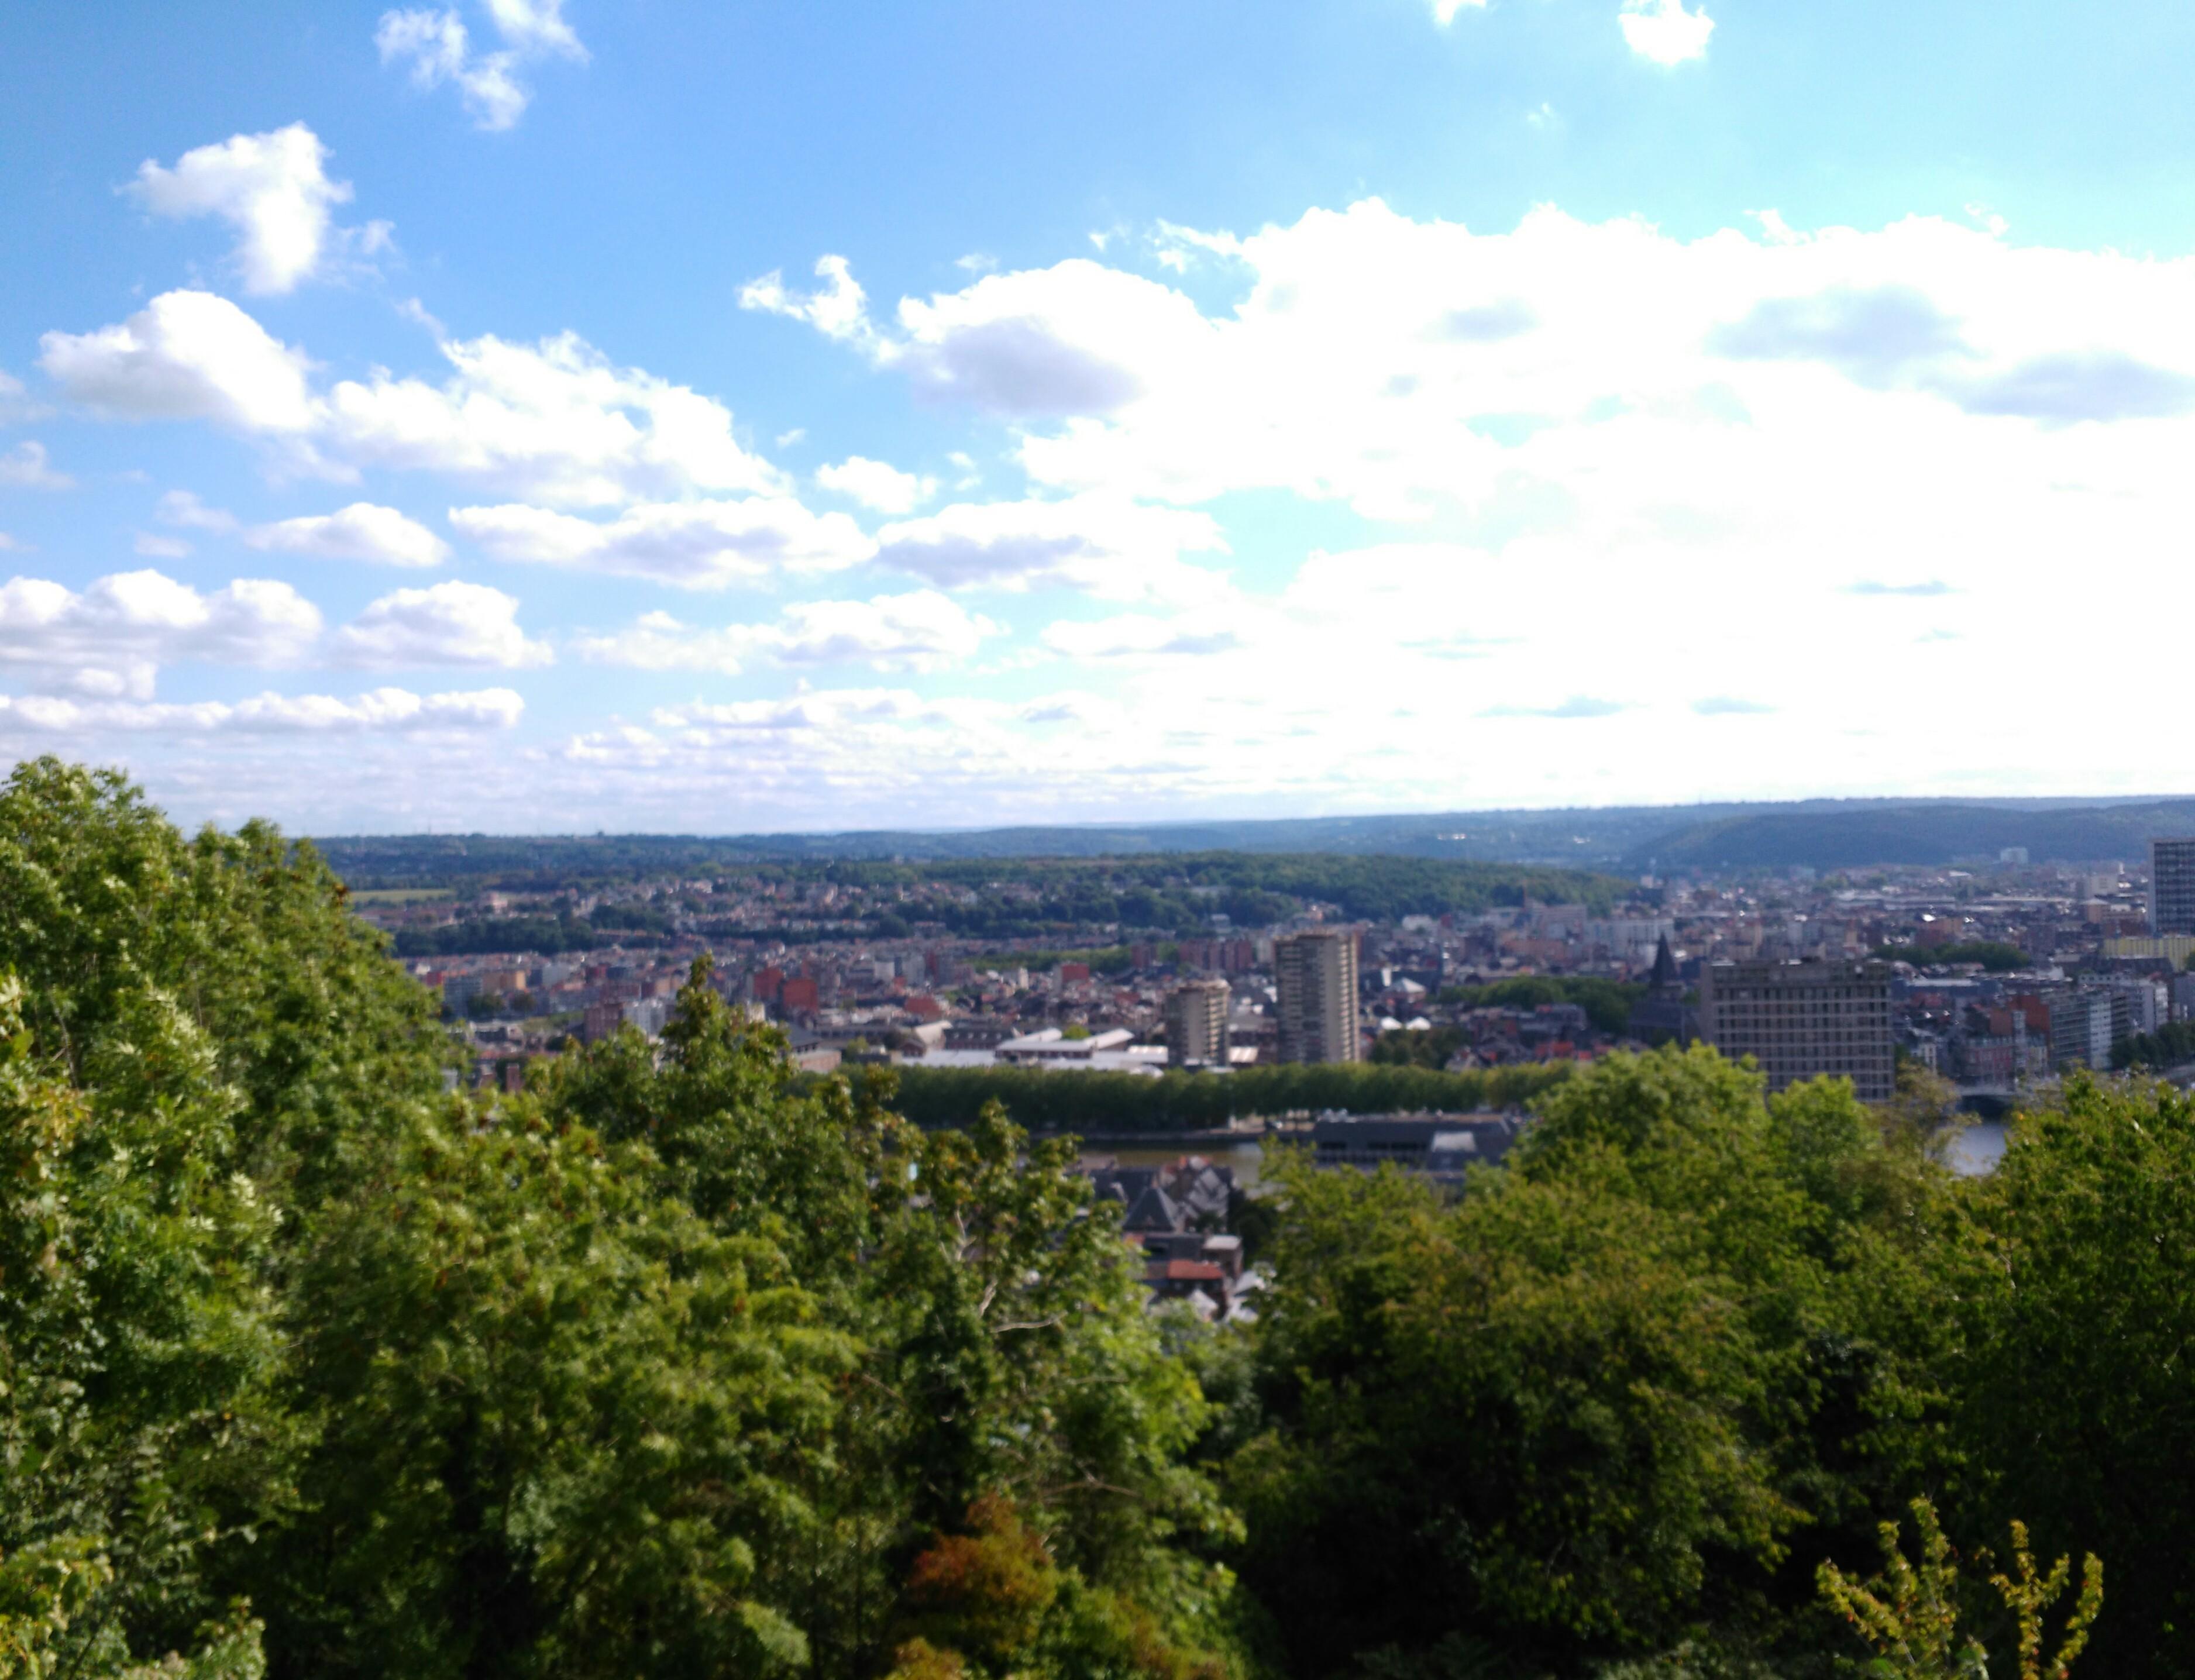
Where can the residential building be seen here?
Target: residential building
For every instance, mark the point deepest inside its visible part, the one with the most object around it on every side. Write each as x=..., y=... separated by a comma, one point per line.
x=1440, y=1146
x=1800, y=1020
x=1316, y=976
x=2172, y=886
x=2081, y=1028
x=1197, y=1024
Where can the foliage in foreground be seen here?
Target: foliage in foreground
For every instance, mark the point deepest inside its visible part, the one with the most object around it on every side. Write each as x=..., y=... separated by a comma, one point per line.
x=681, y=1365
x=673, y=1367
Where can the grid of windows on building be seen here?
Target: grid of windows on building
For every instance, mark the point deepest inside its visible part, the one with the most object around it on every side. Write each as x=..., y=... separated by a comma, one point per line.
x=1314, y=975
x=1800, y=1020
x=1197, y=1024
x=2171, y=887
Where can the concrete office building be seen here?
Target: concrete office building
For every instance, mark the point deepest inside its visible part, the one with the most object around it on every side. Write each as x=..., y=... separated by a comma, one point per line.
x=2083, y=1027
x=1317, y=978
x=2171, y=887
x=1197, y=1024
x=1798, y=1020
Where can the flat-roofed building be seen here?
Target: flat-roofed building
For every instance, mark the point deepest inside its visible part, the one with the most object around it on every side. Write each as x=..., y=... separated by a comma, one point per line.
x=1800, y=1020
x=1316, y=976
x=1196, y=1032
x=2172, y=886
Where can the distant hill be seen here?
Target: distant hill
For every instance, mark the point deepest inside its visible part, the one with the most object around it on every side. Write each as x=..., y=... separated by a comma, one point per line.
x=1918, y=834
x=1823, y=834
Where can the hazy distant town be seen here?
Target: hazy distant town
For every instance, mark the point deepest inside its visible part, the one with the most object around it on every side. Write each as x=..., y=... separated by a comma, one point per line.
x=1994, y=977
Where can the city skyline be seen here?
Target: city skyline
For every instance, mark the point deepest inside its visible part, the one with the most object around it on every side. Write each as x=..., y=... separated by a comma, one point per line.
x=539, y=416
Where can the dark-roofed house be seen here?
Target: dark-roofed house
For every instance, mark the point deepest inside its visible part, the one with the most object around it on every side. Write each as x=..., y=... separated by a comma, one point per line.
x=1442, y=1147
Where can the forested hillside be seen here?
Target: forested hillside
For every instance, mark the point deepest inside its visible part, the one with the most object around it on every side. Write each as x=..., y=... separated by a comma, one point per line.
x=1173, y=892
x=681, y=1365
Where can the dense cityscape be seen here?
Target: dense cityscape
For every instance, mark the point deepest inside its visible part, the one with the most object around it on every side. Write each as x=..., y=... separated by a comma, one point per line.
x=1997, y=977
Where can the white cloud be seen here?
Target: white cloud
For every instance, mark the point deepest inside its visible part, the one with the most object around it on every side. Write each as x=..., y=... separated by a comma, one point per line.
x=436, y=48
x=361, y=531
x=28, y=467
x=273, y=188
x=1143, y=635
x=920, y=631
x=154, y=546
x=536, y=27
x=876, y=483
x=554, y=421
x=110, y=640
x=1066, y=340
x=1605, y=377
x=186, y=355
x=839, y=310
x=379, y=709
x=183, y=508
x=447, y=624
x=697, y=546
x=14, y=402
x=1106, y=547
x=1444, y=11
x=1664, y=32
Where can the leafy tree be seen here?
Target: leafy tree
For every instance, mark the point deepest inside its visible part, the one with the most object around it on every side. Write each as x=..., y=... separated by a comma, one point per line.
x=1910, y=1616
x=1644, y=1376
x=2073, y=1289
x=102, y=903
x=1993, y=955
x=562, y=1423
x=135, y=1354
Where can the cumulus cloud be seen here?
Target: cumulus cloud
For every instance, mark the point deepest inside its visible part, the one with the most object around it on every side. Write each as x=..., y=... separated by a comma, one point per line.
x=1664, y=32
x=695, y=545
x=838, y=309
x=555, y=421
x=920, y=631
x=28, y=467
x=447, y=624
x=1066, y=340
x=110, y=639
x=186, y=355
x=1444, y=11
x=436, y=48
x=361, y=531
x=876, y=483
x=1562, y=371
x=379, y=709
x=273, y=188
x=1110, y=548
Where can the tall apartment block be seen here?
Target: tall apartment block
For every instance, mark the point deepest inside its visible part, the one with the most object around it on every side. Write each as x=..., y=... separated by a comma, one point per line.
x=2084, y=1025
x=1316, y=977
x=2172, y=886
x=1197, y=1024
x=1798, y=1019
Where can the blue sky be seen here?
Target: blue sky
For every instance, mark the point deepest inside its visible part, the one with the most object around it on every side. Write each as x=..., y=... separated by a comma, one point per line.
x=438, y=416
